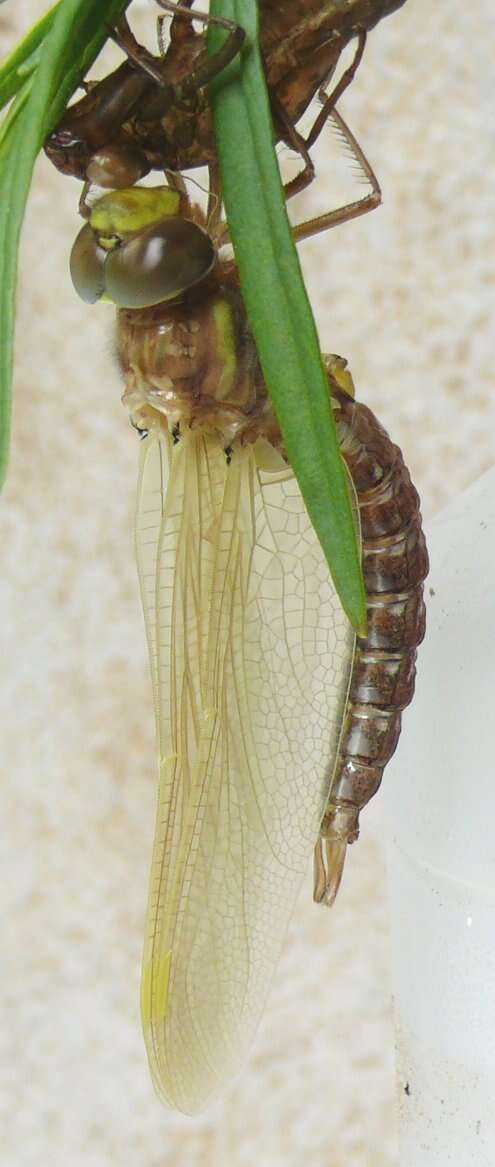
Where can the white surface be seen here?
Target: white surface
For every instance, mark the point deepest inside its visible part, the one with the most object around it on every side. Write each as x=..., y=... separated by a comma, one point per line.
x=440, y=807
x=407, y=294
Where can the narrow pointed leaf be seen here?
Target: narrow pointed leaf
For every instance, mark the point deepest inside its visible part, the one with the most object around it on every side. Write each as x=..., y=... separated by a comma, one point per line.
x=25, y=57
x=78, y=31
x=277, y=303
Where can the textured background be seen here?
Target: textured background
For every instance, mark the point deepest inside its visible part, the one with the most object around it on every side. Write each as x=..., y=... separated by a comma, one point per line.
x=407, y=295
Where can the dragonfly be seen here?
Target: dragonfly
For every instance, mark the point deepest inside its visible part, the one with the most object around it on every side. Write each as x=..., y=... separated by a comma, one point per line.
x=153, y=112
x=273, y=723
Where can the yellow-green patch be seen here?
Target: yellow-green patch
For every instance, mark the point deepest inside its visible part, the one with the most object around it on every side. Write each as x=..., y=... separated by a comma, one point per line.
x=123, y=212
x=154, y=990
x=224, y=324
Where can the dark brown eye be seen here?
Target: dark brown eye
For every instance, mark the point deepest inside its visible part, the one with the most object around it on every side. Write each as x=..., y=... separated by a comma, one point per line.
x=87, y=266
x=117, y=166
x=158, y=264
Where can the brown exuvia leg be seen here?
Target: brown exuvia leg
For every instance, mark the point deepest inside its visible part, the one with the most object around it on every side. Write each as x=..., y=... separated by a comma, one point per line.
x=209, y=66
x=351, y=210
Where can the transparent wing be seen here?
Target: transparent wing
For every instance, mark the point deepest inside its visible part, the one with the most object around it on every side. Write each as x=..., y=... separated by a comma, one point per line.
x=250, y=656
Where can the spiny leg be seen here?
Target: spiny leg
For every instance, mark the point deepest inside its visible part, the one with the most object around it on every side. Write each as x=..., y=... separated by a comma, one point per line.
x=330, y=99
x=302, y=145
x=350, y=210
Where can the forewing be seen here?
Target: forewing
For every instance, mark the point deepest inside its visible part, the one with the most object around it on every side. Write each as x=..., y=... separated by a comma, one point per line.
x=251, y=655
x=151, y=495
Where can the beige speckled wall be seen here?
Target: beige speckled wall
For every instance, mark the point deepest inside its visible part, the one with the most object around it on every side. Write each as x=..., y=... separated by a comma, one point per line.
x=407, y=294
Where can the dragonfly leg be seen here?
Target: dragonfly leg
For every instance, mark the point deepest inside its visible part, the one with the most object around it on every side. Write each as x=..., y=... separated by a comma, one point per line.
x=293, y=138
x=209, y=66
x=138, y=55
x=340, y=214
x=181, y=27
x=84, y=207
x=175, y=181
x=350, y=210
x=302, y=145
x=217, y=228
x=330, y=99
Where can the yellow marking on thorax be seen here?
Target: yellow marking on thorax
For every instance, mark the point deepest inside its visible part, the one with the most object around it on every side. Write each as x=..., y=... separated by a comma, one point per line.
x=339, y=370
x=225, y=335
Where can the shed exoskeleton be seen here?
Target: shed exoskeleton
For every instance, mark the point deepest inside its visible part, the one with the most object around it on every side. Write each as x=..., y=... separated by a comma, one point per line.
x=153, y=112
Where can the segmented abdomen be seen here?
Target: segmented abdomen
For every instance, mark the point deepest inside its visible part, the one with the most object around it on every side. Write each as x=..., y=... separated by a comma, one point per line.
x=395, y=564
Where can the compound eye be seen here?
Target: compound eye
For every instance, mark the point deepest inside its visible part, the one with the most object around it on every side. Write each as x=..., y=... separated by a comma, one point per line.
x=117, y=166
x=87, y=266
x=158, y=264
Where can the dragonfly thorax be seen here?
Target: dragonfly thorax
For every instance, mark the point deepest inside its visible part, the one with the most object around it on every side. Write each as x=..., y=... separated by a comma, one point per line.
x=195, y=364
x=184, y=344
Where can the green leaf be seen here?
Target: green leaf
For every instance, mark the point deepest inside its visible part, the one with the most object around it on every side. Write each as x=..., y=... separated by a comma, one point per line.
x=78, y=30
x=277, y=304
x=25, y=57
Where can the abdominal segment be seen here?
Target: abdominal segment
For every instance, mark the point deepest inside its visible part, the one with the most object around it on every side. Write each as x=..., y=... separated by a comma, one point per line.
x=395, y=564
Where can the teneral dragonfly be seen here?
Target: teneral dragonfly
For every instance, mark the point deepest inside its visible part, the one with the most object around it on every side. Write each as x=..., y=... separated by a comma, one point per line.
x=270, y=720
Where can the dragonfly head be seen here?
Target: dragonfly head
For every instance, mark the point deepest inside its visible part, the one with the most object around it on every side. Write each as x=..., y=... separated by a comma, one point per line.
x=120, y=164
x=139, y=249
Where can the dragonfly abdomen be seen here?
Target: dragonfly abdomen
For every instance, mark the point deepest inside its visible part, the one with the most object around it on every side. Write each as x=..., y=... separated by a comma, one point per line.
x=395, y=564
